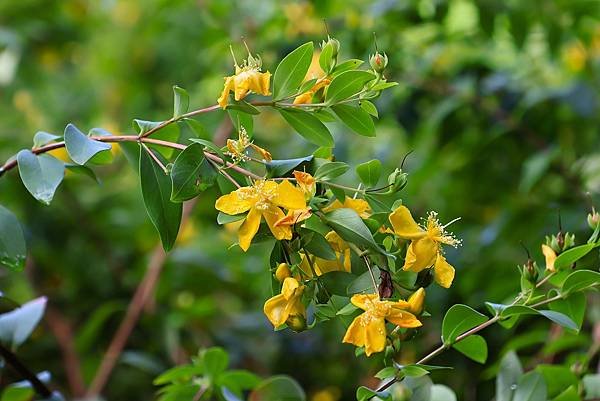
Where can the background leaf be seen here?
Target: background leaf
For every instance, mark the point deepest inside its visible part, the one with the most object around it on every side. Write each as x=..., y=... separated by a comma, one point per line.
x=12, y=241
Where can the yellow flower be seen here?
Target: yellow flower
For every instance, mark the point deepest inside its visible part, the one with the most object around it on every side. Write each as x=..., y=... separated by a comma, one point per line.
x=306, y=97
x=306, y=183
x=360, y=206
x=424, y=250
x=368, y=329
x=262, y=199
x=293, y=217
x=416, y=301
x=286, y=305
x=550, y=256
x=248, y=78
x=237, y=148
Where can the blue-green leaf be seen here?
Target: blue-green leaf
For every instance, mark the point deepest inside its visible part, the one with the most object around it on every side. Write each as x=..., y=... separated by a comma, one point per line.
x=80, y=147
x=13, y=250
x=41, y=174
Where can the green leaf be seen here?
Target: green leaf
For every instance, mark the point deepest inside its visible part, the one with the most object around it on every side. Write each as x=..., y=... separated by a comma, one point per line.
x=439, y=392
x=473, y=347
x=181, y=101
x=531, y=387
x=348, y=224
x=223, y=218
x=355, y=118
x=369, y=107
x=309, y=126
x=336, y=282
x=363, y=283
x=365, y=393
x=414, y=371
x=238, y=380
x=182, y=373
x=459, y=319
x=386, y=373
x=508, y=375
x=557, y=378
x=191, y=174
x=580, y=280
x=41, y=174
x=517, y=310
x=16, y=326
x=330, y=170
x=13, y=250
x=80, y=147
x=326, y=58
x=42, y=138
x=209, y=145
x=83, y=170
x=573, y=307
x=560, y=319
x=215, y=361
x=347, y=84
x=279, y=168
x=570, y=256
x=347, y=65
x=156, y=190
x=168, y=133
x=570, y=394
x=291, y=71
x=243, y=106
x=591, y=384
x=317, y=245
x=383, y=85
x=278, y=388
x=369, y=172
x=241, y=119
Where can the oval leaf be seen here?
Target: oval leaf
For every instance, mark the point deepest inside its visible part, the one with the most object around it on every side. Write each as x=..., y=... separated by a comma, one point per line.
x=291, y=71
x=473, y=347
x=580, y=280
x=309, y=126
x=41, y=174
x=568, y=257
x=369, y=172
x=80, y=147
x=347, y=84
x=459, y=319
x=355, y=118
x=191, y=174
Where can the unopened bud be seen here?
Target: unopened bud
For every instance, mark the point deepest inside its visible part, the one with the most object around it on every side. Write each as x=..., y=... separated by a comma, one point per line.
x=296, y=323
x=593, y=219
x=397, y=180
x=378, y=62
x=417, y=301
x=283, y=271
x=530, y=271
x=335, y=45
x=560, y=242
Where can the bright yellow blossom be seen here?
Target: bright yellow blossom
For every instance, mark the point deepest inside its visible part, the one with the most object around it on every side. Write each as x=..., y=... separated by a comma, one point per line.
x=360, y=206
x=286, y=305
x=424, y=250
x=248, y=78
x=262, y=199
x=550, y=256
x=368, y=329
x=306, y=183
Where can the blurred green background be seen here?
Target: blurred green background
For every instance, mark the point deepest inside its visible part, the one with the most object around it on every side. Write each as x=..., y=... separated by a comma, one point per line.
x=498, y=102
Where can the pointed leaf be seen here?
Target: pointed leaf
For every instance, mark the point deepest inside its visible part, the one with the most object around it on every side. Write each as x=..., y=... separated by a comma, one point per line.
x=181, y=101
x=80, y=147
x=191, y=174
x=41, y=174
x=291, y=71
x=347, y=84
x=309, y=126
x=355, y=118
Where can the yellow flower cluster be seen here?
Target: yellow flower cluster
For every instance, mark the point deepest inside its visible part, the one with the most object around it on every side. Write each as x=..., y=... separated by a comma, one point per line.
x=248, y=78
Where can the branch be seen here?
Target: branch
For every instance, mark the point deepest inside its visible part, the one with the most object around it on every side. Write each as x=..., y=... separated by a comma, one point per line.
x=12, y=360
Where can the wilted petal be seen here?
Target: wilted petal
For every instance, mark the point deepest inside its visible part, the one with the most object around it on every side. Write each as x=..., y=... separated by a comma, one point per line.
x=550, y=256
x=229, y=85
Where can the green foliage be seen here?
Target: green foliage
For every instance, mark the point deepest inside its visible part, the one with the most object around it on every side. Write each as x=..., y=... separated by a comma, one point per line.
x=12, y=242
x=291, y=71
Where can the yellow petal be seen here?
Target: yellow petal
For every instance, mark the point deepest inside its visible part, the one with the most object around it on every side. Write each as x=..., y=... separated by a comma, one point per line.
x=362, y=300
x=443, y=272
x=272, y=215
x=222, y=100
x=336, y=204
x=289, y=197
x=275, y=310
x=304, y=98
x=239, y=201
x=265, y=83
x=360, y=206
x=336, y=242
x=289, y=287
x=356, y=333
x=420, y=255
x=404, y=224
x=375, y=336
x=265, y=154
x=305, y=266
x=294, y=216
x=416, y=301
x=249, y=229
x=403, y=318
x=550, y=256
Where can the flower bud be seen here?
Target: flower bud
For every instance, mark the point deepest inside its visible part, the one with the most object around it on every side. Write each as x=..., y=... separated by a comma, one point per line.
x=560, y=242
x=530, y=271
x=296, y=323
x=335, y=45
x=417, y=301
x=283, y=271
x=593, y=219
x=378, y=62
x=397, y=180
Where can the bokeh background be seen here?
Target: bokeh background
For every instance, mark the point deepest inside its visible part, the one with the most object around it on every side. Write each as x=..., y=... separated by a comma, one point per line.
x=497, y=100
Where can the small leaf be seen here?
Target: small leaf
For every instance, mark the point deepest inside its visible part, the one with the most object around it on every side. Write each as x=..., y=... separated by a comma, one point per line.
x=369, y=107
x=568, y=257
x=580, y=280
x=83, y=170
x=191, y=174
x=42, y=138
x=181, y=101
x=439, y=392
x=16, y=326
x=414, y=371
x=156, y=191
x=347, y=65
x=278, y=388
x=347, y=84
x=348, y=224
x=80, y=147
x=459, y=319
x=309, y=126
x=279, y=168
x=369, y=172
x=41, y=174
x=531, y=387
x=223, y=218
x=291, y=71
x=330, y=170
x=13, y=250
x=215, y=361
x=168, y=133
x=243, y=106
x=355, y=118
x=364, y=393
x=209, y=145
x=386, y=373
x=508, y=375
x=573, y=307
x=473, y=347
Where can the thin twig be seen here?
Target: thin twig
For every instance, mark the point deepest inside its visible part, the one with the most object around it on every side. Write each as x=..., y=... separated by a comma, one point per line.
x=11, y=359
x=154, y=157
